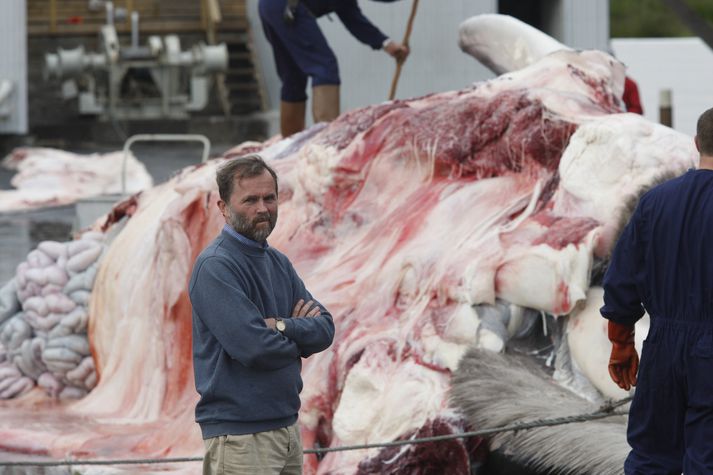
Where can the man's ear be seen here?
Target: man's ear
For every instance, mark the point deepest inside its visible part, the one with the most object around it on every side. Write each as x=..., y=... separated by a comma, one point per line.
x=698, y=146
x=221, y=207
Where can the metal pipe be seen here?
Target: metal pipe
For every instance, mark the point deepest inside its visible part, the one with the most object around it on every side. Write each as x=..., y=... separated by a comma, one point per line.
x=129, y=8
x=666, y=107
x=110, y=13
x=134, y=30
x=161, y=138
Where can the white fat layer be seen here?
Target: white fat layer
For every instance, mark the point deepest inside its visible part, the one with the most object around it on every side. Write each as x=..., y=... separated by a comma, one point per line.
x=547, y=279
x=610, y=159
x=314, y=171
x=384, y=399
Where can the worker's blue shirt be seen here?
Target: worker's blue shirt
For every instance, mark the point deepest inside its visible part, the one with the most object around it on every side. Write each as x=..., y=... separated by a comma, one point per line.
x=351, y=16
x=300, y=48
x=663, y=261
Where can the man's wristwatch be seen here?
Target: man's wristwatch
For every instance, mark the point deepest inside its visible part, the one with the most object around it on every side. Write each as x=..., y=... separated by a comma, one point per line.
x=280, y=325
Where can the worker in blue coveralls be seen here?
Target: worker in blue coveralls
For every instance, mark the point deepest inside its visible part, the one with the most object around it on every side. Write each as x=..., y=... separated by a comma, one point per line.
x=301, y=52
x=664, y=260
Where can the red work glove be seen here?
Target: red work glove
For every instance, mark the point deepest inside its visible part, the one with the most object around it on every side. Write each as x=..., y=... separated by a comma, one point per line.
x=624, y=360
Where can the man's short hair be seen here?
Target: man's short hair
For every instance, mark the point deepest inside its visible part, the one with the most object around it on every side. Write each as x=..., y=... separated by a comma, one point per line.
x=248, y=166
x=704, y=132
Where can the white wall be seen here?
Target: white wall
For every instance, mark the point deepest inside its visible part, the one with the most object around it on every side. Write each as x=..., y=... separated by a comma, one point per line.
x=436, y=63
x=13, y=62
x=684, y=65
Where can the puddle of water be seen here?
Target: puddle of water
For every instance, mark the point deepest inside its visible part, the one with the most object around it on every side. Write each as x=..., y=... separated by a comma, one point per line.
x=21, y=232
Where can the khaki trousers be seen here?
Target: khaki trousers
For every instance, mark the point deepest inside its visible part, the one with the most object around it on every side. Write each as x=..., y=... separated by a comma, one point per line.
x=275, y=452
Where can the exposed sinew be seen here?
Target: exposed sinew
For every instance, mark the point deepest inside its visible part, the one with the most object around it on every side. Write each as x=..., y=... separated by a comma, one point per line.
x=400, y=218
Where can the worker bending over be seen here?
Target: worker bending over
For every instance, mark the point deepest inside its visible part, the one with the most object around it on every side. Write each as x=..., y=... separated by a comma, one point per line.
x=301, y=51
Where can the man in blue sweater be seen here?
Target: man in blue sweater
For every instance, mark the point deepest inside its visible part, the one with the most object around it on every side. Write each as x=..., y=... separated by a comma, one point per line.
x=663, y=263
x=301, y=52
x=253, y=321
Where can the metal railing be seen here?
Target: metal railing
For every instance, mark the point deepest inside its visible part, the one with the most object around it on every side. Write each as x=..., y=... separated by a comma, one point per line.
x=161, y=138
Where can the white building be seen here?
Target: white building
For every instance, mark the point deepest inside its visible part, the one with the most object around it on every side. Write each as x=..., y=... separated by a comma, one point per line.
x=13, y=67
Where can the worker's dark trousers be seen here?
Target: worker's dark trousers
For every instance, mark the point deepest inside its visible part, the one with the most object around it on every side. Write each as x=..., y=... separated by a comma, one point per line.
x=300, y=50
x=671, y=418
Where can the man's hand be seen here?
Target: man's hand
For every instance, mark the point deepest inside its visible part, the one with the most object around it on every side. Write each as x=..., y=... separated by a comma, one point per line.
x=302, y=310
x=398, y=51
x=305, y=309
x=624, y=360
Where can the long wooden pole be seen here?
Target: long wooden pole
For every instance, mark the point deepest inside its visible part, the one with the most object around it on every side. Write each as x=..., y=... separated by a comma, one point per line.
x=399, y=64
x=129, y=9
x=53, y=16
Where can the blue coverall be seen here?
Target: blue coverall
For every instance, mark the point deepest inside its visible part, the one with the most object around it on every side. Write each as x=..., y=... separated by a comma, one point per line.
x=301, y=50
x=664, y=260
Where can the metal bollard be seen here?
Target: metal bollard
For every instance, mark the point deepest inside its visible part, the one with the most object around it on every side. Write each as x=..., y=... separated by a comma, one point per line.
x=666, y=107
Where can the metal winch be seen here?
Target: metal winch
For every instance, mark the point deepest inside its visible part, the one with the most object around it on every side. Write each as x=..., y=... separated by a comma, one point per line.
x=156, y=80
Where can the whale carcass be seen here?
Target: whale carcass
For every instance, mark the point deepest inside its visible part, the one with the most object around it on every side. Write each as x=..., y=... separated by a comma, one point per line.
x=406, y=219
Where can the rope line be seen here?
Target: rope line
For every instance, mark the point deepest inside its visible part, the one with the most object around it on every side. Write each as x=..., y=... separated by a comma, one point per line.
x=604, y=411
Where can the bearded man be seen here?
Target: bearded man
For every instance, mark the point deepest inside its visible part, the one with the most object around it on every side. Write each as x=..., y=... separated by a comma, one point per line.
x=253, y=321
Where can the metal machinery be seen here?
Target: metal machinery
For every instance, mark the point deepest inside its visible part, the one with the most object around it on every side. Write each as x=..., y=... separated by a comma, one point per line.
x=5, y=98
x=138, y=82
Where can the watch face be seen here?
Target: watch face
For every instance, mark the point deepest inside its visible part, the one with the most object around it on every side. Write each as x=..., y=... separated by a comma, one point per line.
x=280, y=325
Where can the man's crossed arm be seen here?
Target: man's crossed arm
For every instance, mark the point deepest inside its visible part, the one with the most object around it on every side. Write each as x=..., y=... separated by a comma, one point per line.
x=310, y=327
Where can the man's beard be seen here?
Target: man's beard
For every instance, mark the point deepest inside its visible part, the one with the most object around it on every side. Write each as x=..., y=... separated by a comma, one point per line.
x=250, y=229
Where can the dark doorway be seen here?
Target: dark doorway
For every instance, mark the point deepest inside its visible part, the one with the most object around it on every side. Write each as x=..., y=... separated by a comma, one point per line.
x=529, y=11
x=545, y=15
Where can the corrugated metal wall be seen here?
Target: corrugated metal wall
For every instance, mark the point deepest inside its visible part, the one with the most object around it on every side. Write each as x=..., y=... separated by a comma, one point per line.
x=436, y=63
x=13, y=62
x=582, y=25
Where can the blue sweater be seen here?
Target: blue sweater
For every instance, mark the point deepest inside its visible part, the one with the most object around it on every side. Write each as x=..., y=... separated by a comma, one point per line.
x=247, y=375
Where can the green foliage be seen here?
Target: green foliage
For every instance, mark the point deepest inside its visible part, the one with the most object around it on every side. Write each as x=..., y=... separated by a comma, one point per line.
x=651, y=18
